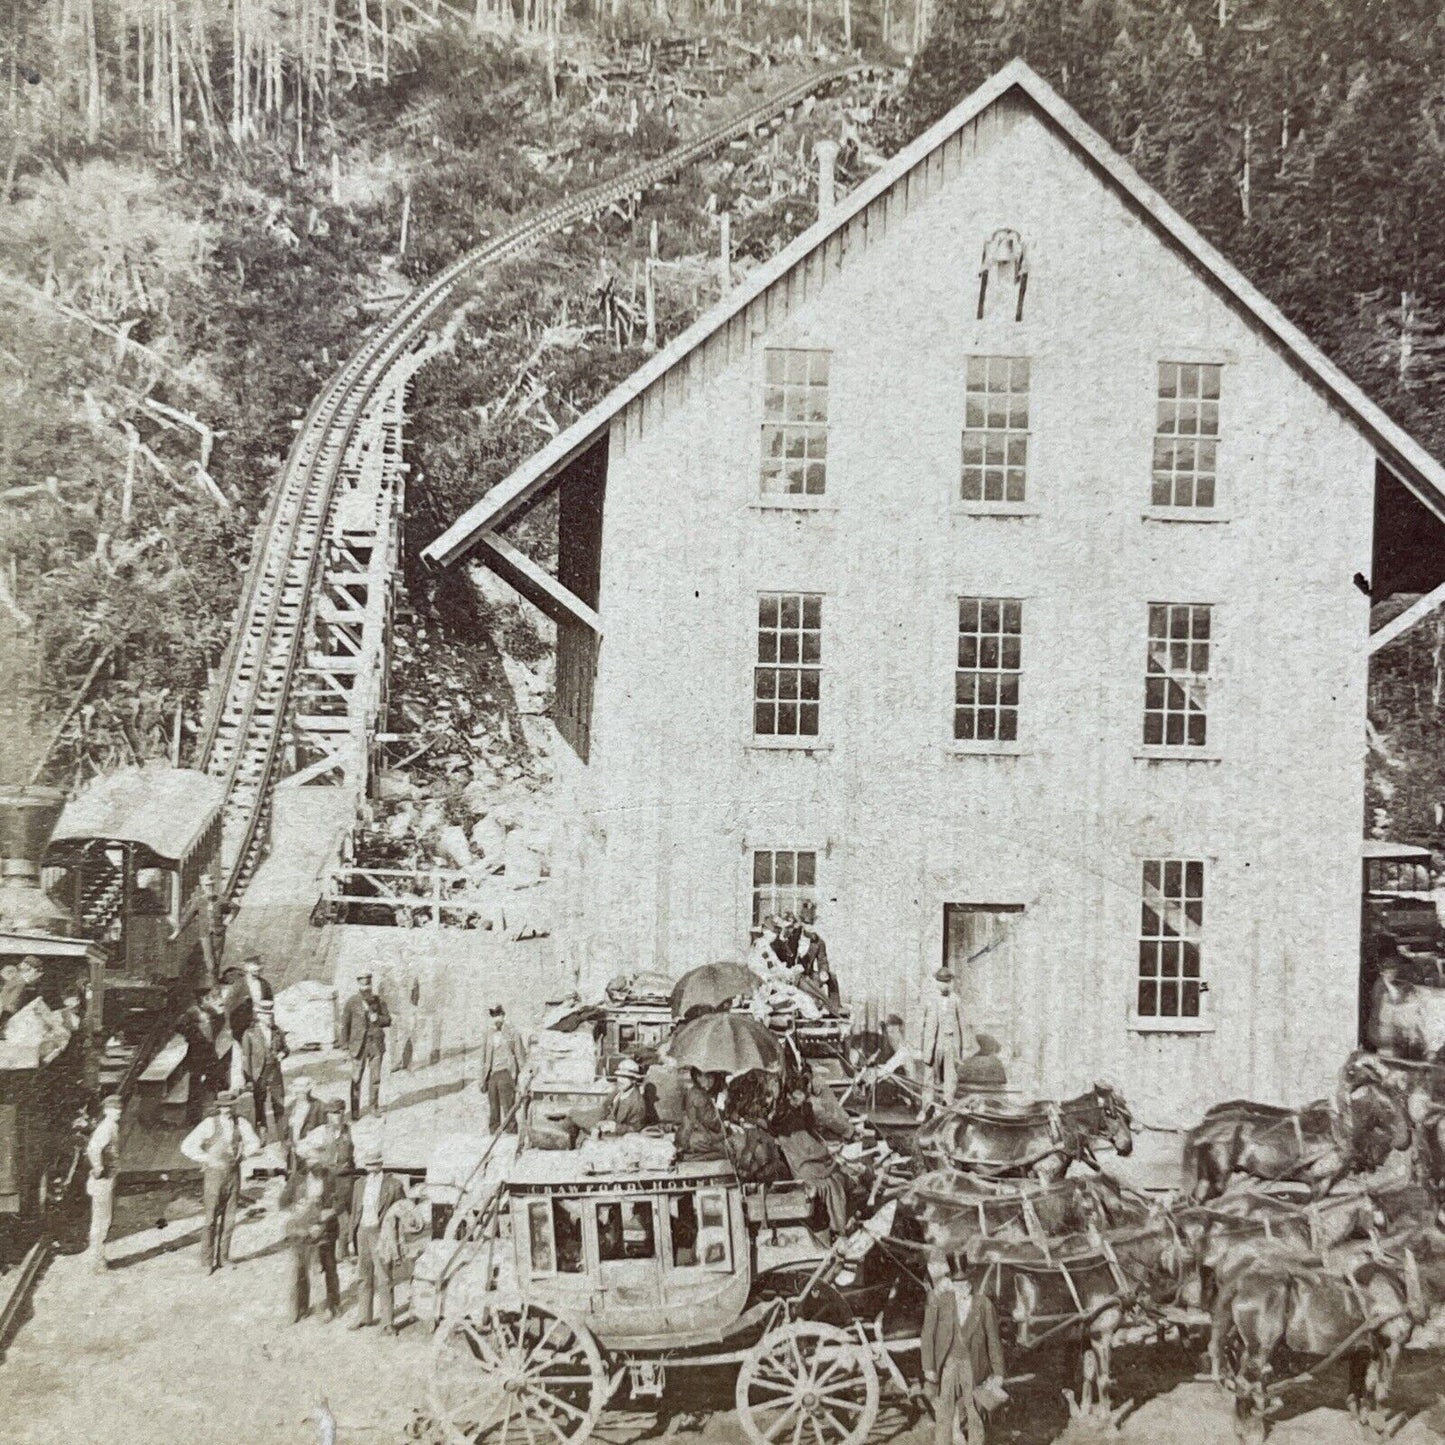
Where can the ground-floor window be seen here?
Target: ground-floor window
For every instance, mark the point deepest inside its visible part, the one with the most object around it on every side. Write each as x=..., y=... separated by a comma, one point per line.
x=783, y=880
x=1171, y=928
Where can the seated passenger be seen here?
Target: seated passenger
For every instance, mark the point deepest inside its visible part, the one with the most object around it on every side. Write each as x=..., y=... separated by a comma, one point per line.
x=700, y=1135
x=809, y=1158
x=625, y=1111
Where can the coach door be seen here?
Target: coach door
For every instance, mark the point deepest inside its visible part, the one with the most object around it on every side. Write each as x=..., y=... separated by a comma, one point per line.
x=979, y=949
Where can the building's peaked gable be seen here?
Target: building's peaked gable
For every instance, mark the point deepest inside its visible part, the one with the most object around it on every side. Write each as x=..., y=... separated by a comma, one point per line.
x=922, y=162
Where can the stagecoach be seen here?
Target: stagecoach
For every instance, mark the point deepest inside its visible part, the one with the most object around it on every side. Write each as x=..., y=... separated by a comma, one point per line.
x=556, y=1291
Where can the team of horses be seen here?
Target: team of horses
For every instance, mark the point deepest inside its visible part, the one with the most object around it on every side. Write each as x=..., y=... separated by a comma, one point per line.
x=1263, y=1247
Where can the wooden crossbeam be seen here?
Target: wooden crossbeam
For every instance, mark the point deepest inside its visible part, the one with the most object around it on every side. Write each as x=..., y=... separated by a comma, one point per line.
x=536, y=584
x=1417, y=611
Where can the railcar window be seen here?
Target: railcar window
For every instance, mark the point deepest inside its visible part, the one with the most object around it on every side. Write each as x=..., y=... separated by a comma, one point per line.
x=625, y=1231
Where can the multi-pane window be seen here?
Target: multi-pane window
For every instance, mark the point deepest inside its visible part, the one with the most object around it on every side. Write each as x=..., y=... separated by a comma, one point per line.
x=986, y=684
x=795, y=423
x=787, y=678
x=1177, y=674
x=996, y=429
x=783, y=880
x=1170, y=929
x=1186, y=437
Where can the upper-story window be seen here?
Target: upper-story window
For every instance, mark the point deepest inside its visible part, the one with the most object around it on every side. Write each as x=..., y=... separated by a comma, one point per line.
x=784, y=881
x=795, y=423
x=1177, y=674
x=787, y=679
x=1171, y=983
x=1186, y=437
x=996, y=429
x=986, y=682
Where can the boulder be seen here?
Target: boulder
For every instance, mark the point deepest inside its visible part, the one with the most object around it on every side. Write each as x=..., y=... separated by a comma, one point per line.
x=306, y=1014
x=451, y=844
x=488, y=838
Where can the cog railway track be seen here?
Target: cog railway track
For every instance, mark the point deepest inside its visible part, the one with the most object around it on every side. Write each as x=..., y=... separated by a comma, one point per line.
x=246, y=725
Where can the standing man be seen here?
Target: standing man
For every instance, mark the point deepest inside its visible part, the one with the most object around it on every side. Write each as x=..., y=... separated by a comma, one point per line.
x=258, y=991
x=304, y=1114
x=371, y=1196
x=200, y=1027
x=330, y=1145
x=364, y=1022
x=218, y=1145
x=263, y=1046
x=502, y=1061
x=309, y=1199
x=961, y=1353
x=943, y=1034
x=103, y=1152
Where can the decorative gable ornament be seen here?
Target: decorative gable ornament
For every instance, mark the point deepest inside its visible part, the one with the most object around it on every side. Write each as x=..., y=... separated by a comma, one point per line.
x=1003, y=276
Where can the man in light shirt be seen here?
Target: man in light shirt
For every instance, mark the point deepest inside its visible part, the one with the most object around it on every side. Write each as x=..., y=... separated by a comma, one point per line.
x=372, y=1195
x=103, y=1152
x=218, y=1145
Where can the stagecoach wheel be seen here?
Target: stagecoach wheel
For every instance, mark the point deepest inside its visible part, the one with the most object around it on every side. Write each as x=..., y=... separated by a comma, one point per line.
x=806, y=1383
x=516, y=1373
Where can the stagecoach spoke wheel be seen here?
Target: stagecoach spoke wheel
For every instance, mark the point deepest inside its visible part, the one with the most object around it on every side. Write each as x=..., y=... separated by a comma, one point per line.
x=806, y=1383
x=516, y=1374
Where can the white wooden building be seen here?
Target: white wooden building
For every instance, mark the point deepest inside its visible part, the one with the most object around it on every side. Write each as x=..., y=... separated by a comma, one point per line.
x=991, y=568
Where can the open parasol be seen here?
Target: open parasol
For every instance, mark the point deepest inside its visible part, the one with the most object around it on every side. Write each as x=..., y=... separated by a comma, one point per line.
x=711, y=986
x=724, y=1043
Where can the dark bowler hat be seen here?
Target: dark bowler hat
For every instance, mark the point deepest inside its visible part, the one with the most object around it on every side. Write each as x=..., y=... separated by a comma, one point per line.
x=496, y=1011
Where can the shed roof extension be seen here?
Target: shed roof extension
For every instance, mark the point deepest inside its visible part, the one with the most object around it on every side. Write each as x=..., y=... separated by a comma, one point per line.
x=1420, y=471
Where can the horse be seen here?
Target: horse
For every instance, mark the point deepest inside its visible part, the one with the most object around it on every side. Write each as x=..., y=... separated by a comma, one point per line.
x=1365, y=1308
x=1318, y=1144
x=1042, y=1138
x=955, y=1208
x=1088, y=1282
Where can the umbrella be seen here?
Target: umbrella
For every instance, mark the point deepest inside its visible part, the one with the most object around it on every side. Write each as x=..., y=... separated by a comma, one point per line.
x=711, y=986
x=725, y=1043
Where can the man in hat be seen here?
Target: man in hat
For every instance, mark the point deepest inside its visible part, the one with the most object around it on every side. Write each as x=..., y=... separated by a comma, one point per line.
x=309, y=1201
x=103, y=1153
x=304, y=1115
x=364, y=1022
x=200, y=1026
x=625, y=1111
x=502, y=1060
x=257, y=991
x=942, y=1045
x=330, y=1146
x=962, y=1354
x=371, y=1196
x=263, y=1046
x=21, y=987
x=218, y=1145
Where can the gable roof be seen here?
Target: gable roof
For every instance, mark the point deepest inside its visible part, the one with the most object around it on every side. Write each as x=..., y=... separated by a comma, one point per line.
x=1401, y=452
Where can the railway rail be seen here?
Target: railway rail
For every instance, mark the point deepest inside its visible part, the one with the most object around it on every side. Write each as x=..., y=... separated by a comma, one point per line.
x=19, y=1286
x=245, y=729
